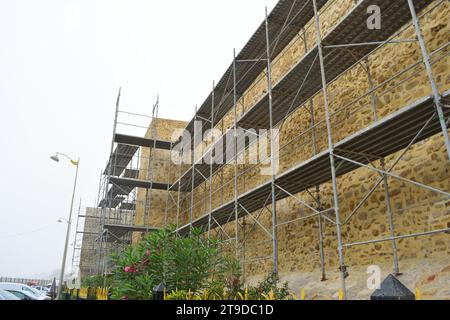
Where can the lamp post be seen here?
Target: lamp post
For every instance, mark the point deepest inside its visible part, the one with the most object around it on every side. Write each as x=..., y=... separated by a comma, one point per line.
x=69, y=221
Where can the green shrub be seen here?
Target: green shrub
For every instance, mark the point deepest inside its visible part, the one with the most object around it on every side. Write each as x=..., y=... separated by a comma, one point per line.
x=269, y=286
x=181, y=263
x=191, y=268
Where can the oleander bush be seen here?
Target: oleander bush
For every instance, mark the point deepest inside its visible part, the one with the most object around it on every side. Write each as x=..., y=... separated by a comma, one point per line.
x=180, y=263
x=191, y=268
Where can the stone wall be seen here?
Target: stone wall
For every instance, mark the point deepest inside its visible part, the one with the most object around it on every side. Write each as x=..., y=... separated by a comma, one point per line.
x=415, y=209
x=164, y=171
x=89, y=251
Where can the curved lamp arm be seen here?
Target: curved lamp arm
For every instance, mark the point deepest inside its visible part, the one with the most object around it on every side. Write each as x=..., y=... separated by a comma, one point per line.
x=74, y=162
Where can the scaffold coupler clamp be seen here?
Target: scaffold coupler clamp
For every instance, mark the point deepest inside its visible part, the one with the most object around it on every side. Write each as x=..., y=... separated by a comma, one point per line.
x=344, y=271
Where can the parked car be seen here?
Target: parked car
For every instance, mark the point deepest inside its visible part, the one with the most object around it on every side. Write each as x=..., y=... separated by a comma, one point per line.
x=5, y=295
x=23, y=295
x=23, y=288
x=42, y=289
x=40, y=293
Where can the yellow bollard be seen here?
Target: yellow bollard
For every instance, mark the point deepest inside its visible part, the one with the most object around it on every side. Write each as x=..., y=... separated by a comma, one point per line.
x=303, y=294
x=418, y=294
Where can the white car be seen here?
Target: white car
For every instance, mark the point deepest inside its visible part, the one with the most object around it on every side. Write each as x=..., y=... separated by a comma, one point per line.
x=42, y=288
x=29, y=292
x=38, y=293
x=23, y=295
x=5, y=295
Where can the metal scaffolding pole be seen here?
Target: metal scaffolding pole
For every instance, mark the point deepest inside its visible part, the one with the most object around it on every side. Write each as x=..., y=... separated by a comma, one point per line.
x=179, y=185
x=100, y=226
x=76, y=235
x=150, y=167
x=191, y=212
x=235, y=154
x=342, y=266
x=272, y=149
x=390, y=212
x=107, y=183
x=211, y=160
x=390, y=220
x=319, y=205
x=314, y=146
x=429, y=69
x=166, y=212
x=222, y=130
x=414, y=235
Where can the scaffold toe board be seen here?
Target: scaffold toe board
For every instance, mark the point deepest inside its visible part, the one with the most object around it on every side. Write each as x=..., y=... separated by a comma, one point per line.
x=116, y=232
x=114, y=193
x=136, y=183
x=352, y=29
x=142, y=142
x=392, y=134
x=111, y=203
x=118, y=229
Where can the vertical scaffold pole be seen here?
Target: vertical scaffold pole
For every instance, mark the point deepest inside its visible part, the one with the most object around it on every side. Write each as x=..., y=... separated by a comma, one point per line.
x=318, y=200
x=76, y=235
x=166, y=212
x=211, y=161
x=272, y=150
x=104, y=236
x=429, y=69
x=390, y=220
x=236, y=191
x=151, y=164
x=222, y=130
x=191, y=212
x=342, y=266
x=373, y=102
x=98, y=213
x=179, y=185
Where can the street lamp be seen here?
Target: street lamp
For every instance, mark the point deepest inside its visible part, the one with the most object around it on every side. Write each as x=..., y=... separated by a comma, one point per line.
x=69, y=222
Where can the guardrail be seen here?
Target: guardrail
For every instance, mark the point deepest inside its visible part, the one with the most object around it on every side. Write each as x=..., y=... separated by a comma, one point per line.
x=25, y=281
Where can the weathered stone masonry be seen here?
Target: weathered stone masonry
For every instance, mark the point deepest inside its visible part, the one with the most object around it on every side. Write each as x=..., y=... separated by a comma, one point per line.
x=424, y=261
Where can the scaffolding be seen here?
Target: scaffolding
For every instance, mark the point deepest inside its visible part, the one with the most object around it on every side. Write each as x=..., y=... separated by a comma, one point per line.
x=377, y=146
x=85, y=247
x=350, y=43
x=127, y=172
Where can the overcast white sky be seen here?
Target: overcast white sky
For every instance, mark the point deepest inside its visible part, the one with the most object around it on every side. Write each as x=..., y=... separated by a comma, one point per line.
x=61, y=65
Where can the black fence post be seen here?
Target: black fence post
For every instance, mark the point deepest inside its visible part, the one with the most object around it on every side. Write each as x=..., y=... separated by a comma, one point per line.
x=159, y=291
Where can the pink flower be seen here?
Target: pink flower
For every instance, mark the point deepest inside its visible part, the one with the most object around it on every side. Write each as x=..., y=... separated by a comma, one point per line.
x=130, y=270
x=148, y=253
